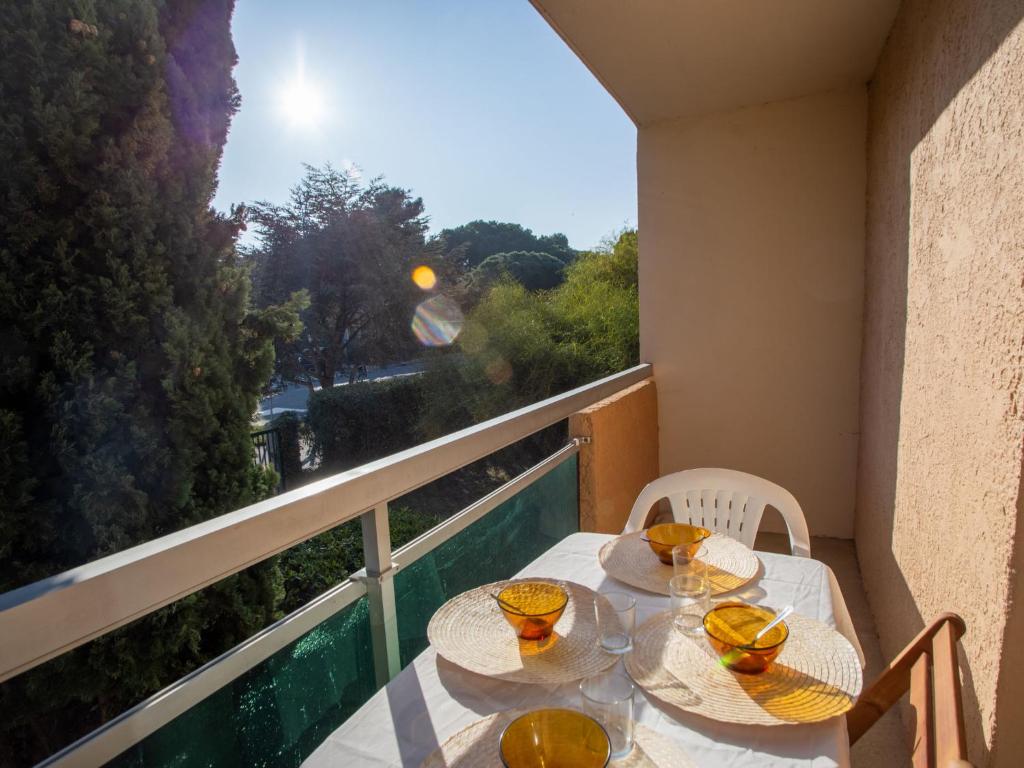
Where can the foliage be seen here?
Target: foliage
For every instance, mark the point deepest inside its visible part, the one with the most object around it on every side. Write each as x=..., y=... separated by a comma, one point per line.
x=518, y=347
x=534, y=271
x=352, y=425
x=352, y=249
x=133, y=358
x=598, y=307
x=131, y=361
x=510, y=359
x=468, y=245
x=264, y=483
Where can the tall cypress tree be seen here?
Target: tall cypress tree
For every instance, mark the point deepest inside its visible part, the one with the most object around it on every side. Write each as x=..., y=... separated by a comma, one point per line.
x=130, y=363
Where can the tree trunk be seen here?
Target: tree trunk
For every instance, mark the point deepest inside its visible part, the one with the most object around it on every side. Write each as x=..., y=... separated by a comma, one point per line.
x=327, y=367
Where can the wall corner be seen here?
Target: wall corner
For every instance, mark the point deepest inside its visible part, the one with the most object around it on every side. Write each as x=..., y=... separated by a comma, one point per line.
x=620, y=458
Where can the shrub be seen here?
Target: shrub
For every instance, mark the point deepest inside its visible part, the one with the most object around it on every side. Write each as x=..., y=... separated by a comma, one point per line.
x=354, y=424
x=518, y=347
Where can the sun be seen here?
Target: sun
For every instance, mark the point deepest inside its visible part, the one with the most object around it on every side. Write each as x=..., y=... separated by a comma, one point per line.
x=301, y=103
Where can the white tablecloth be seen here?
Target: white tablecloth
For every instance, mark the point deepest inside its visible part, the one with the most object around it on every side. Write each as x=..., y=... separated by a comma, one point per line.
x=432, y=699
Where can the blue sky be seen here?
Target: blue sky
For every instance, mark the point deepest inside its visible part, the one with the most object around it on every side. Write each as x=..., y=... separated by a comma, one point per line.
x=476, y=106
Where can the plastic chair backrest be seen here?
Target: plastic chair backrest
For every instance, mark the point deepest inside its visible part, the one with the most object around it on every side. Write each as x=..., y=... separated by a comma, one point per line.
x=723, y=500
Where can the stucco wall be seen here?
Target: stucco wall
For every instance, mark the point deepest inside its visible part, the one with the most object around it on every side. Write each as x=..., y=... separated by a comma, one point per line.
x=939, y=479
x=752, y=247
x=621, y=458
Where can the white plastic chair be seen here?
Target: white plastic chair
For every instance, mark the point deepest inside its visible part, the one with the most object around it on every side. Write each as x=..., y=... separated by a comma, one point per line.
x=725, y=501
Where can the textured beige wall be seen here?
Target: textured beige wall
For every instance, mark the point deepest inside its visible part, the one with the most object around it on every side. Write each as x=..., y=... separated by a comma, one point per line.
x=751, y=266
x=622, y=457
x=939, y=480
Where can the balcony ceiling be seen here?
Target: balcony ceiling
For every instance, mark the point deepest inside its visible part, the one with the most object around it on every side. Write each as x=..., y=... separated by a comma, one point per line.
x=664, y=59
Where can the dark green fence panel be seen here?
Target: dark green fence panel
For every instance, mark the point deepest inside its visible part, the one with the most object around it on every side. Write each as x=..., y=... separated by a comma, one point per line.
x=266, y=446
x=494, y=547
x=278, y=712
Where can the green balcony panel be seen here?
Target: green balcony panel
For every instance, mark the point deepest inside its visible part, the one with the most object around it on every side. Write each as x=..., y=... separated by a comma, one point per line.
x=495, y=547
x=277, y=713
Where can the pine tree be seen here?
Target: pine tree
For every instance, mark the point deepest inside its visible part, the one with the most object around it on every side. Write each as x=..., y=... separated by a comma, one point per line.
x=130, y=362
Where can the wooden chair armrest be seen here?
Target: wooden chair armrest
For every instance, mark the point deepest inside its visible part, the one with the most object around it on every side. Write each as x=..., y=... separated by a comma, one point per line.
x=936, y=642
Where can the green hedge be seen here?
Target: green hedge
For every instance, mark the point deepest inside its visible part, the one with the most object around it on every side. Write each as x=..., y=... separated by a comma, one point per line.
x=357, y=423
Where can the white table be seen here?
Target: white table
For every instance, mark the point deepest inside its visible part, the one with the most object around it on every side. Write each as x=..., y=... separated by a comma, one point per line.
x=432, y=699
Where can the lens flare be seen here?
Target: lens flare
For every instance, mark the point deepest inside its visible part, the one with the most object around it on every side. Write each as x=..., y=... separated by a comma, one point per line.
x=498, y=371
x=424, y=277
x=437, y=322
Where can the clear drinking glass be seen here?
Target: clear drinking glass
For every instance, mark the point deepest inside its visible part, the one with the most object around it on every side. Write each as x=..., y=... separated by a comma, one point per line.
x=691, y=599
x=685, y=559
x=616, y=620
x=608, y=698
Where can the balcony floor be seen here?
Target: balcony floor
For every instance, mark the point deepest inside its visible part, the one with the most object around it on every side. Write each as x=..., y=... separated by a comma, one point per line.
x=885, y=743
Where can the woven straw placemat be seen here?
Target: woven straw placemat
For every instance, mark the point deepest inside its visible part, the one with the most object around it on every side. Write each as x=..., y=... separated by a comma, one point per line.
x=470, y=630
x=816, y=677
x=476, y=746
x=629, y=559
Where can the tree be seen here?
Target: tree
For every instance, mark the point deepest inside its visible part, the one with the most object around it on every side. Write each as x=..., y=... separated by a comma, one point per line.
x=518, y=347
x=353, y=248
x=598, y=305
x=131, y=360
x=534, y=271
x=471, y=243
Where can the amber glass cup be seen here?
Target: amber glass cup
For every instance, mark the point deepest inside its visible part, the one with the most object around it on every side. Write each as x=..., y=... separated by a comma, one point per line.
x=554, y=738
x=663, y=538
x=731, y=627
x=532, y=607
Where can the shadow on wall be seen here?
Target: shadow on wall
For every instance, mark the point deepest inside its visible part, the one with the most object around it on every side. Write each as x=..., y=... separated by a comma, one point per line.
x=1010, y=690
x=940, y=46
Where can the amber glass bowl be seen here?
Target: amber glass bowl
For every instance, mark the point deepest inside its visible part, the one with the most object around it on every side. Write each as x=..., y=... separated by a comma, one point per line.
x=662, y=538
x=554, y=738
x=533, y=607
x=731, y=627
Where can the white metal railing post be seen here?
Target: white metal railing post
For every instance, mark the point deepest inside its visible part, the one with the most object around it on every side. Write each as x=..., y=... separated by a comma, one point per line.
x=380, y=593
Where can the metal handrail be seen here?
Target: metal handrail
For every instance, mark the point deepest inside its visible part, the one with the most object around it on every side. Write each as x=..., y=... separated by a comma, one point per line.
x=50, y=617
x=430, y=540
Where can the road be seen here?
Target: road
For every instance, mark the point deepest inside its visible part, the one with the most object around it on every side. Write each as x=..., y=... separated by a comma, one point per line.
x=295, y=396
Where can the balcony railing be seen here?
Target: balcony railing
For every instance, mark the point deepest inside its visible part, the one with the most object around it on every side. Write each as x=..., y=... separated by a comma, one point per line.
x=379, y=615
